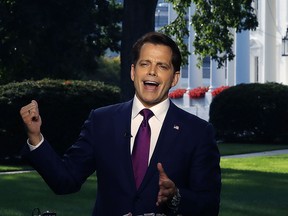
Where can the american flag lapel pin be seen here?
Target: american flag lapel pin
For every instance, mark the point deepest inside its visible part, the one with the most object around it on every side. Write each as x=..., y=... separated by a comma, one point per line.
x=176, y=127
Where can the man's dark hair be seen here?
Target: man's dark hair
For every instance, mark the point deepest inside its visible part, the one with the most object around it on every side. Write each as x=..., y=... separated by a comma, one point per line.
x=157, y=38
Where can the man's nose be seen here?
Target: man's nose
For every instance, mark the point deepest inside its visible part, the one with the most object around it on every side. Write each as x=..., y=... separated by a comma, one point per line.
x=152, y=71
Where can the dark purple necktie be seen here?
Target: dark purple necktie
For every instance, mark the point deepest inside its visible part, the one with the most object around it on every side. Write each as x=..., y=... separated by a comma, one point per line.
x=140, y=153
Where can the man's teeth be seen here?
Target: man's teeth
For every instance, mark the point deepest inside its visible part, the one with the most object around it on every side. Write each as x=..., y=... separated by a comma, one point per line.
x=151, y=83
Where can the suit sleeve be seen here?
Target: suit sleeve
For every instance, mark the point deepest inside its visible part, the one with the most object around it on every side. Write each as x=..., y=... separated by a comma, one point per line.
x=65, y=174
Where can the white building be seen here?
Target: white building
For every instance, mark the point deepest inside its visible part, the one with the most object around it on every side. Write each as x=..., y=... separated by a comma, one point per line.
x=266, y=60
x=258, y=54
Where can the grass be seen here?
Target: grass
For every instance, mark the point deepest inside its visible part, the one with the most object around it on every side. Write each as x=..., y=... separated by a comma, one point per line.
x=7, y=168
x=250, y=186
x=234, y=148
x=254, y=186
x=21, y=193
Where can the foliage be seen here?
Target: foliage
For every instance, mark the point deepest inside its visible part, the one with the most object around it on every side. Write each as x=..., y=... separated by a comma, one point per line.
x=213, y=23
x=198, y=92
x=178, y=27
x=177, y=93
x=108, y=71
x=63, y=104
x=56, y=39
x=251, y=113
x=218, y=90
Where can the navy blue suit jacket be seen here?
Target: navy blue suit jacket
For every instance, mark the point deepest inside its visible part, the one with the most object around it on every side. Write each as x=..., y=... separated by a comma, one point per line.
x=186, y=148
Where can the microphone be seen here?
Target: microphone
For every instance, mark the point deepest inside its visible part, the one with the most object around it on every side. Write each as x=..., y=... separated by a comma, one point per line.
x=127, y=134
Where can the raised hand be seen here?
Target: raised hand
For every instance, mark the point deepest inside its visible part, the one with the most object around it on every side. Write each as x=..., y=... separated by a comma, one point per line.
x=32, y=120
x=167, y=188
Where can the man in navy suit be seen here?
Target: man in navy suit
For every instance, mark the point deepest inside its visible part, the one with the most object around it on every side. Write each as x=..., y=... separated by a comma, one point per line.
x=183, y=175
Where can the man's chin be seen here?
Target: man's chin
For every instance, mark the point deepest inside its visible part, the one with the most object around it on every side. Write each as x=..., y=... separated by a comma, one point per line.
x=151, y=102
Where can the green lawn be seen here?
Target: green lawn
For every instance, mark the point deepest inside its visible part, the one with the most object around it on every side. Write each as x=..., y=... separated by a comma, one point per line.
x=5, y=168
x=21, y=193
x=250, y=187
x=235, y=148
x=255, y=186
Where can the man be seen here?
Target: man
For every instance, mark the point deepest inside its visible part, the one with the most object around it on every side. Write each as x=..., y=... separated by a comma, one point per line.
x=183, y=173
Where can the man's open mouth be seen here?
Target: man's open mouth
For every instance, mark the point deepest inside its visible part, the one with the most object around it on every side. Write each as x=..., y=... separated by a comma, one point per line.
x=151, y=83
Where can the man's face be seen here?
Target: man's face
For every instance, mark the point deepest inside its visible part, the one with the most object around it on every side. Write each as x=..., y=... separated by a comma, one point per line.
x=153, y=74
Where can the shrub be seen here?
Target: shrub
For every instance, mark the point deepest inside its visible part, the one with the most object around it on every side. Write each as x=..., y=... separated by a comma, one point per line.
x=218, y=90
x=178, y=93
x=64, y=105
x=251, y=112
x=198, y=92
x=108, y=71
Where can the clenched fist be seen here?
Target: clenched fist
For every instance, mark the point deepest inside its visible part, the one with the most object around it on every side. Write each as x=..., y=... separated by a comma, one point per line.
x=32, y=120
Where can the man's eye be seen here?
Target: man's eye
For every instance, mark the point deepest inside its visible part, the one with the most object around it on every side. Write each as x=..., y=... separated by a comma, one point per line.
x=143, y=64
x=163, y=67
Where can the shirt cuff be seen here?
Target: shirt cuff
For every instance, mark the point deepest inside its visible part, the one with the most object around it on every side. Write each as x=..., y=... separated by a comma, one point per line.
x=32, y=147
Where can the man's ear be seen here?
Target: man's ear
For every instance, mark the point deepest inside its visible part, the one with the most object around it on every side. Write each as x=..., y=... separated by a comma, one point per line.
x=175, y=78
x=132, y=72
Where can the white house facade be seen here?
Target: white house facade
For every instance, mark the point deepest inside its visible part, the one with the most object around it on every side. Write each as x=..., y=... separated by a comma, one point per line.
x=258, y=54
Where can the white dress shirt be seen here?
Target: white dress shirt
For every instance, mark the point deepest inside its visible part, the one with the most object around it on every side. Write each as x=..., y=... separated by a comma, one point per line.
x=155, y=122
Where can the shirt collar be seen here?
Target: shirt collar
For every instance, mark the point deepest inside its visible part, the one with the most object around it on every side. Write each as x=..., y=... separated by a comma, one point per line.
x=159, y=110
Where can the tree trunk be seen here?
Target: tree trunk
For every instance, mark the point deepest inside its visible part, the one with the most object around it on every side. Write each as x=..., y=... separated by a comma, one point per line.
x=138, y=19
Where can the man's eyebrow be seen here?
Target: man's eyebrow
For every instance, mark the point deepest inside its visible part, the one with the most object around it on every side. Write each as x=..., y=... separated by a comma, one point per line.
x=144, y=60
x=164, y=63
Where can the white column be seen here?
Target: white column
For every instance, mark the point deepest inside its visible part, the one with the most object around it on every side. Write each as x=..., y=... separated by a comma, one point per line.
x=172, y=15
x=242, y=58
x=217, y=76
x=194, y=73
x=282, y=17
x=270, y=42
x=230, y=73
x=231, y=67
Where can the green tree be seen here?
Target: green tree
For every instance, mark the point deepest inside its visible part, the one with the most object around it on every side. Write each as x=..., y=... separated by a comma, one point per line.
x=212, y=22
x=56, y=38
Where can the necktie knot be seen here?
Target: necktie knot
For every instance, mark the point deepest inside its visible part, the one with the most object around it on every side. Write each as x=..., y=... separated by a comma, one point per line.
x=147, y=114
